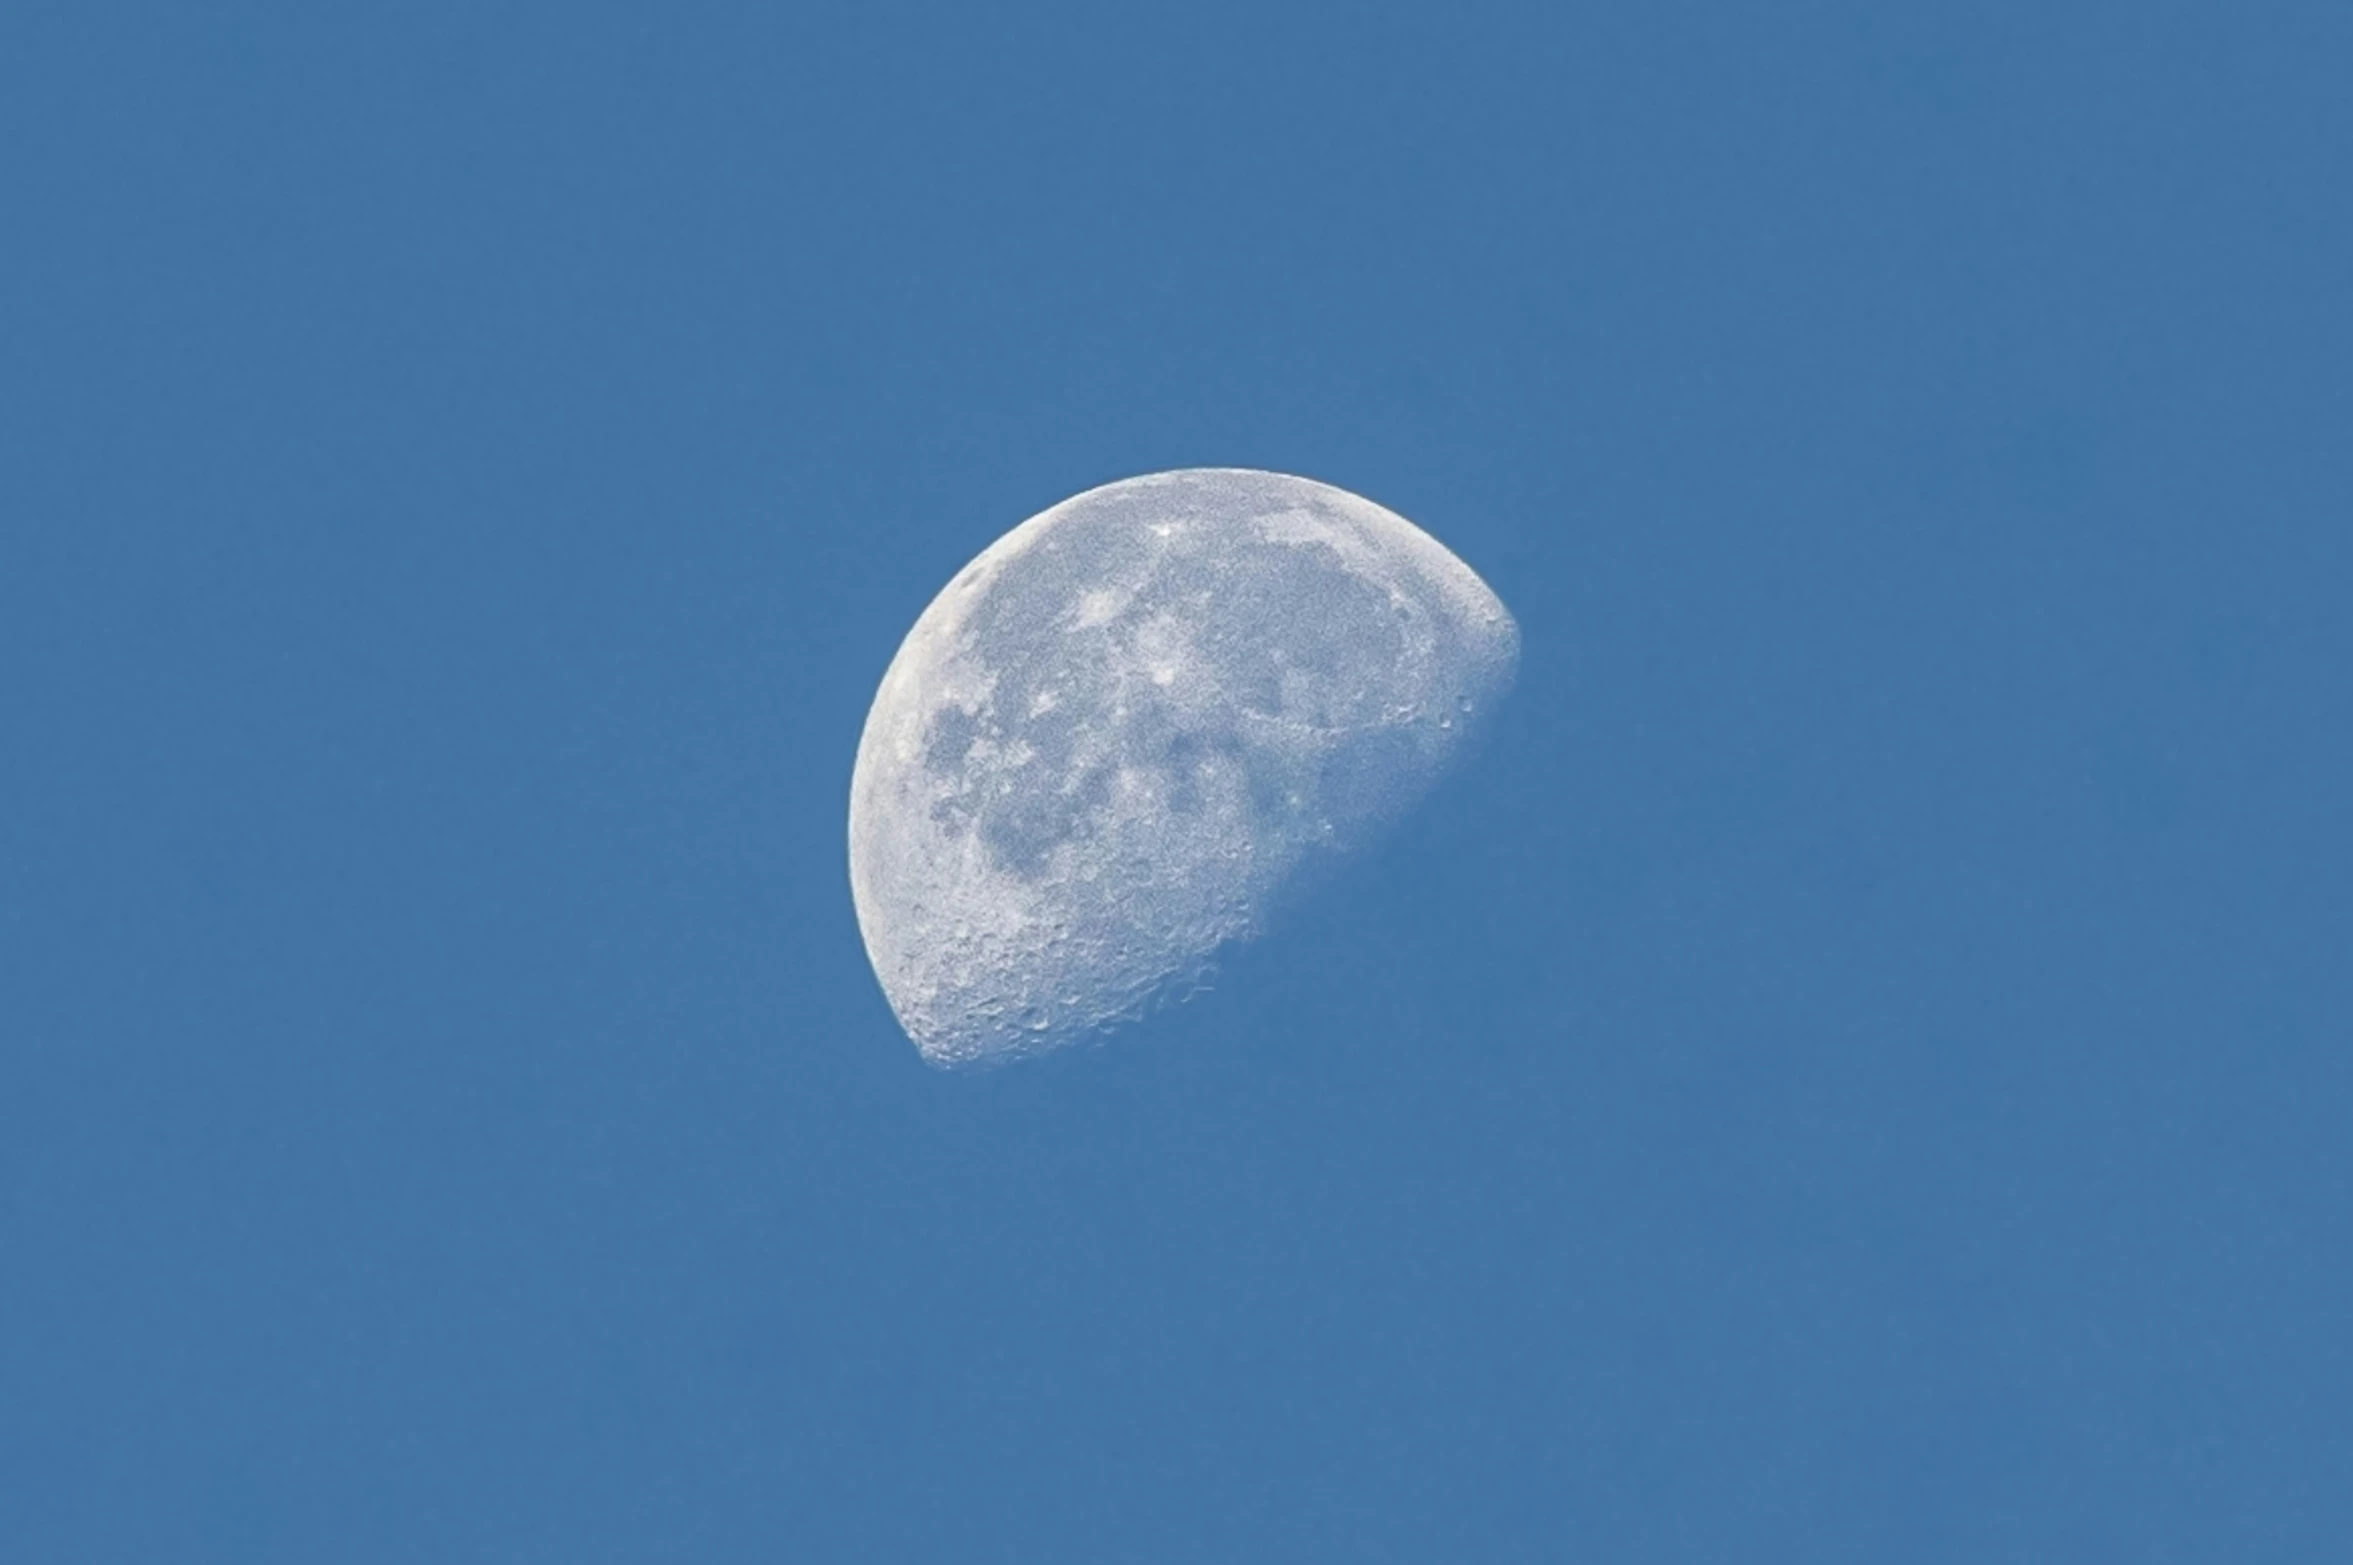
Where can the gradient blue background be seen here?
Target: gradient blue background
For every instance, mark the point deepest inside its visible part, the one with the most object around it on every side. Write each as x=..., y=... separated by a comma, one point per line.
x=1859, y=1071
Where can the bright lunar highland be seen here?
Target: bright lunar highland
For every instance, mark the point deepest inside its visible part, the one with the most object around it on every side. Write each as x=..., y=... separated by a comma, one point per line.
x=1111, y=743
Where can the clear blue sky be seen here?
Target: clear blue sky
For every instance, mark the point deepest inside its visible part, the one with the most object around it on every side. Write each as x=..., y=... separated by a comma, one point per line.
x=1858, y=1071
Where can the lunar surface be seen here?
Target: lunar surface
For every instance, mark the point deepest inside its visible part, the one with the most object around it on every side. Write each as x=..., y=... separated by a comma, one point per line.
x=1116, y=739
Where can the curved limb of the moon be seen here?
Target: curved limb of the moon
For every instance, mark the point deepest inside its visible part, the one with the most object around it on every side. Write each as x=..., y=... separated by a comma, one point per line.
x=1113, y=739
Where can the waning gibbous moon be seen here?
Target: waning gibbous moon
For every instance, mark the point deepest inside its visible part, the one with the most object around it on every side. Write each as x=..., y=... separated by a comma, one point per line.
x=1111, y=743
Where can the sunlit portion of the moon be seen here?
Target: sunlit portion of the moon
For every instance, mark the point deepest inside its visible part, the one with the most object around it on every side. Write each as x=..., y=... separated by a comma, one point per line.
x=1113, y=739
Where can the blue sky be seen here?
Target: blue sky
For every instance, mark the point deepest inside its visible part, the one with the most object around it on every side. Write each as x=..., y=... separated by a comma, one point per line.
x=1856, y=1071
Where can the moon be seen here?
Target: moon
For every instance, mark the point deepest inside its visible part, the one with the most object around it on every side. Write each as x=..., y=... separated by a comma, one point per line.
x=1118, y=737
